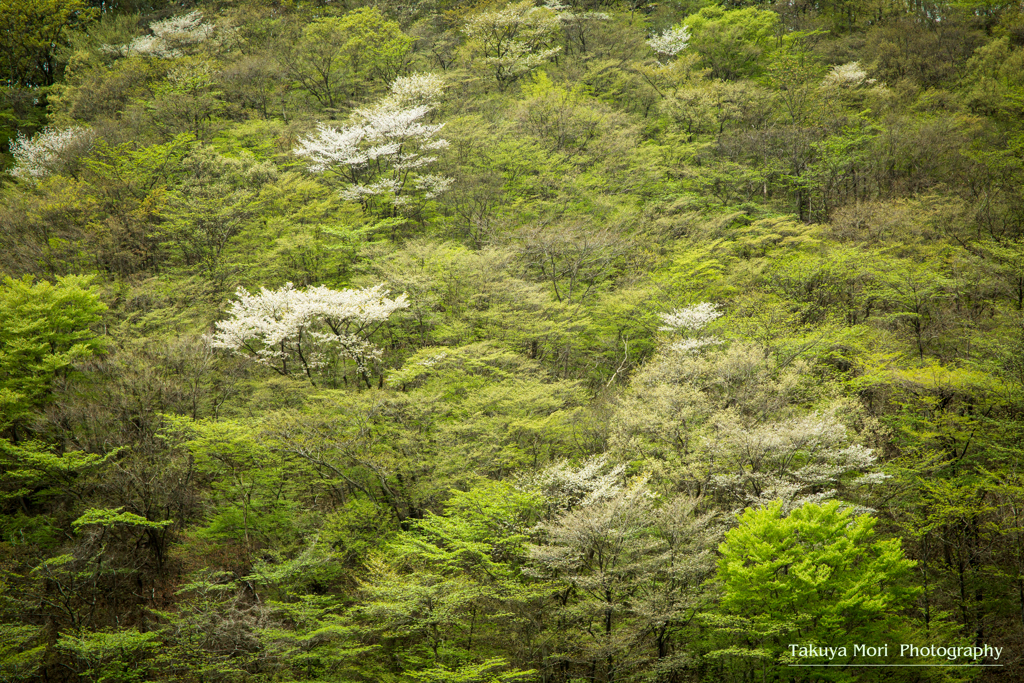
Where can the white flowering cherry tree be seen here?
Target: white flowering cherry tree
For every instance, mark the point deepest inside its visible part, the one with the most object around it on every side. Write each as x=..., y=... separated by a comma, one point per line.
x=730, y=422
x=692, y=319
x=296, y=332
x=52, y=150
x=514, y=40
x=671, y=41
x=170, y=38
x=848, y=75
x=381, y=156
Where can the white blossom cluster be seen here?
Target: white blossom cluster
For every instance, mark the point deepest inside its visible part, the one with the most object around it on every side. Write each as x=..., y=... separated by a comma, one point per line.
x=515, y=39
x=414, y=90
x=185, y=29
x=671, y=42
x=694, y=344
x=619, y=525
x=568, y=487
x=520, y=20
x=433, y=360
x=376, y=154
x=432, y=185
x=146, y=46
x=798, y=461
x=295, y=331
x=50, y=151
x=691, y=318
x=848, y=75
x=168, y=36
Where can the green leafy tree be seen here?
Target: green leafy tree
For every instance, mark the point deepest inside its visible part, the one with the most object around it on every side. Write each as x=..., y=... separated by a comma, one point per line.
x=44, y=330
x=254, y=506
x=129, y=181
x=188, y=100
x=732, y=42
x=31, y=31
x=216, y=199
x=121, y=656
x=448, y=601
x=212, y=632
x=818, y=575
x=512, y=41
x=336, y=57
x=312, y=638
x=913, y=295
x=21, y=649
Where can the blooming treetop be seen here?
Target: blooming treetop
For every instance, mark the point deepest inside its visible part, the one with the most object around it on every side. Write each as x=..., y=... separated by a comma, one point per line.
x=848, y=75
x=377, y=154
x=567, y=14
x=168, y=36
x=182, y=29
x=567, y=486
x=414, y=90
x=693, y=318
x=516, y=39
x=671, y=42
x=799, y=460
x=380, y=137
x=51, y=150
x=294, y=331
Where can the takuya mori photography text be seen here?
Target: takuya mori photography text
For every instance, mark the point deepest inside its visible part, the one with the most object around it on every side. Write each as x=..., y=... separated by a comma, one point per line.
x=893, y=654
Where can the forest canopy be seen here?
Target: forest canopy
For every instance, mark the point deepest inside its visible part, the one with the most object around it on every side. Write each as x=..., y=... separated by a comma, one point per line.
x=532, y=341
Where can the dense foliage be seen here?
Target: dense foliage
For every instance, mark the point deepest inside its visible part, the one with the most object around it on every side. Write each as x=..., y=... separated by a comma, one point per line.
x=586, y=340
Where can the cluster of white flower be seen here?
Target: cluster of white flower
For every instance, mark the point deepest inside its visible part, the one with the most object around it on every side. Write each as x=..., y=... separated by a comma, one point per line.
x=694, y=344
x=332, y=147
x=185, y=29
x=566, y=14
x=432, y=185
x=376, y=153
x=51, y=150
x=514, y=40
x=671, y=42
x=384, y=186
x=797, y=461
x=433, y=360
x=146, y=46
x=517, y=20
x=296, y=331
x=168, y=37
x=569, y=487
x=691, y=318
x=848, y=75
x=414, y=90
x=519, y=58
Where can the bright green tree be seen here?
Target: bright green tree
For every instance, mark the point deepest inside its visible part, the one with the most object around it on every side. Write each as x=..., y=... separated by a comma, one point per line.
x=816, y=576
x=110, y=657
x=448, y=601
x=732, y=42
x=44, y=329
x=337, y=56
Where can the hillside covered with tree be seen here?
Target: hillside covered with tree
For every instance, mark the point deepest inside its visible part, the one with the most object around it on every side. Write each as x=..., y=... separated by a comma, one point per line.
x=538, y=342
